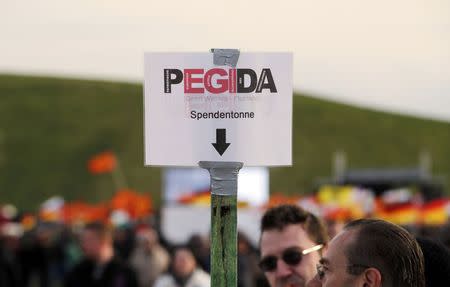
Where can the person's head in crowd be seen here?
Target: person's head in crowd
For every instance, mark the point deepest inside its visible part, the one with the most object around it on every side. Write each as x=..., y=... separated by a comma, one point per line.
x=147, y=237
x=199, y=245
x=97, y=242
x=244, y=244
x=184, y=263
x=437, y=262
x=371, y=253
x=10, y=235
x=291, y=244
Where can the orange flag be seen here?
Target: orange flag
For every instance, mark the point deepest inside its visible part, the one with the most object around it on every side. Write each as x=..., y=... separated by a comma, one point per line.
x=85, y=213
x=278, y=199
x=102, y=163
x=135, y=204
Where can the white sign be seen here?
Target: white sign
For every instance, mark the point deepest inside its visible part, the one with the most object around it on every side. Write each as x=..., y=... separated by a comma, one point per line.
x=253, y=185
x=196, y=111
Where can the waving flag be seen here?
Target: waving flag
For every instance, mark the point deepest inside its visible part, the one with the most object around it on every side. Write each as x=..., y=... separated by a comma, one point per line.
x=102, y=163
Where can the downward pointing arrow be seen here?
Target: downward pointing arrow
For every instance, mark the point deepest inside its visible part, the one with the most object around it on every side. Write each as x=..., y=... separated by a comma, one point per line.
x=221, y=145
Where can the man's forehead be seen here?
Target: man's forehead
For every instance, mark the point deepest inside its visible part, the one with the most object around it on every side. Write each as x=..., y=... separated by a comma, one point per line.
x=337, y=246
x=343, y=238
x=183, y=253
x=291, y=235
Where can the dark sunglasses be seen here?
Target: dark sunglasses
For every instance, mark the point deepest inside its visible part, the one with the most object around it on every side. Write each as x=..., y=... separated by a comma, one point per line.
x=291, y=256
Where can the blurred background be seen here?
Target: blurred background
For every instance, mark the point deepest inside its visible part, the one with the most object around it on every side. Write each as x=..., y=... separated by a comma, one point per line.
x=371, y=119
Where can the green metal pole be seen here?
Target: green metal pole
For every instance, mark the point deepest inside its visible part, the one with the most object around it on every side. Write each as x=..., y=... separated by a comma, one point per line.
x=223, y=222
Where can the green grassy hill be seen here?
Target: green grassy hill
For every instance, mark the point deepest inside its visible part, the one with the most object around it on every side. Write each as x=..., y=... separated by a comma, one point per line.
x=50, y=127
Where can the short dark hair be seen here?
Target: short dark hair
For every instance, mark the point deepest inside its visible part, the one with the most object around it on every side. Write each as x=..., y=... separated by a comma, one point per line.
x=100, y=229
x=185, y=247
x=283, y=215
x=388, y=248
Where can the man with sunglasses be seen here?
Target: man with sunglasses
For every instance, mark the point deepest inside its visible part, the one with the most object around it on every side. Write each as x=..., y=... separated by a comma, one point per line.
x=291, y=243
x=371, y=253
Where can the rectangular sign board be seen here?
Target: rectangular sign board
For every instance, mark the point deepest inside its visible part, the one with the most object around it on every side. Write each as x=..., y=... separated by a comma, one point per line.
x=197, y=111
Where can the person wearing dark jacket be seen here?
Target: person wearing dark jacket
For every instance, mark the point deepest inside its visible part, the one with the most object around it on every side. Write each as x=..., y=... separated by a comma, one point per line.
x=100, y=268
x=437, y=262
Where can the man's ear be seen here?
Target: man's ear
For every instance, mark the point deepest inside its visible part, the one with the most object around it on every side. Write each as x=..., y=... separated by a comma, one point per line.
x=371, y=278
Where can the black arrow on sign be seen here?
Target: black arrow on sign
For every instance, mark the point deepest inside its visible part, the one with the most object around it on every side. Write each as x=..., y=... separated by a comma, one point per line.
x=221, y=145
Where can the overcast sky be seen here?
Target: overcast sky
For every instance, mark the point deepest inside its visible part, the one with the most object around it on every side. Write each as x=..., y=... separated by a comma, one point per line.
x=387, y=54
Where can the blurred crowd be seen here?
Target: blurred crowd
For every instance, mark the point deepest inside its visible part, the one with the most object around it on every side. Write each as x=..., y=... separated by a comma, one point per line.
x=131, y=254
x=99, y=254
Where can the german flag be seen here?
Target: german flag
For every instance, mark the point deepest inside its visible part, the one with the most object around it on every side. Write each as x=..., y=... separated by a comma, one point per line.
x=196, y=198
x=135, y=204
x=436, y=212
x=402, y=214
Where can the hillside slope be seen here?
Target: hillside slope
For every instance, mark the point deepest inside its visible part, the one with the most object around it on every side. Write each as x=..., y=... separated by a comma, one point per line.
x=50, y=127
